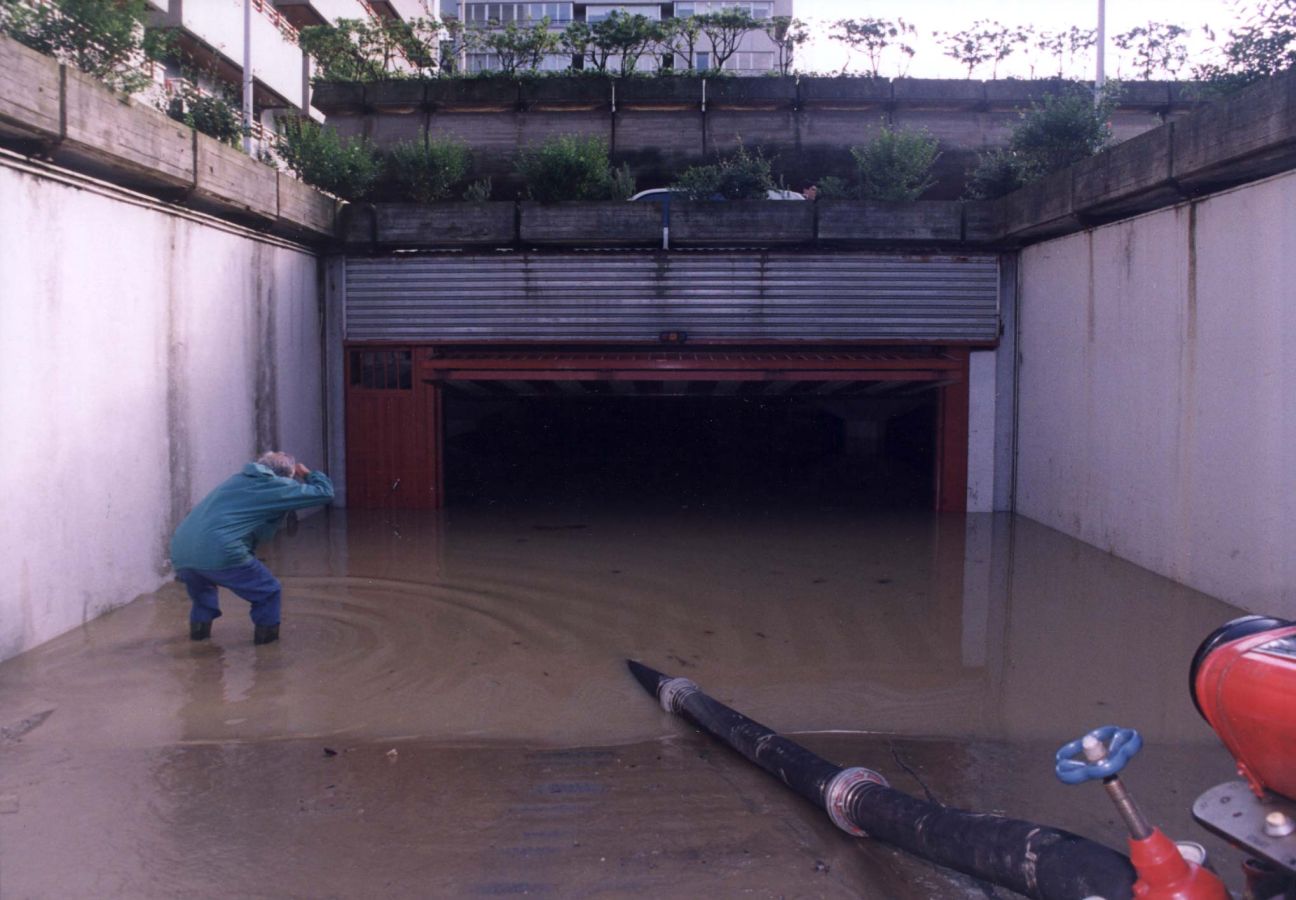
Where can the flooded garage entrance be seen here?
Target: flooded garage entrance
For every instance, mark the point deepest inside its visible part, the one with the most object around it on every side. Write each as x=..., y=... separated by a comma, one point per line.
x=863, y=428
x=448, y=712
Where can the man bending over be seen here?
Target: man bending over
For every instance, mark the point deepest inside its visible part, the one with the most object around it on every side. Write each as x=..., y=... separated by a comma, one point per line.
x=214, y=544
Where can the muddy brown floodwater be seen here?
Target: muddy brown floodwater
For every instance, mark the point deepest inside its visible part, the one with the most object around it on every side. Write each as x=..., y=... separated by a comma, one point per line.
x=449, y=714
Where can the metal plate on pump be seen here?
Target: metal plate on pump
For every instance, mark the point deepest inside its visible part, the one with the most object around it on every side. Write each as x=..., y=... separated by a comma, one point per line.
x=1236, y=814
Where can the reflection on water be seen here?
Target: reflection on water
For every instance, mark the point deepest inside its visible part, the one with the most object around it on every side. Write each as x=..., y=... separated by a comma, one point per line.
x=474, y=625
x=957, y=652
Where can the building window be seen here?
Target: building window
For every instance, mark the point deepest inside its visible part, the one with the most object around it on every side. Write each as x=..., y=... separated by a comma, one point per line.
x=525, y=13
x=382, y=370
x=599, y=13
x=759, y=9
x=750, y=61
x=702, y=61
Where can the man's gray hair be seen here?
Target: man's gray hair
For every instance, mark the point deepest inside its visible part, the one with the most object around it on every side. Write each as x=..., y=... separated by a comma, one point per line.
x=279, y=462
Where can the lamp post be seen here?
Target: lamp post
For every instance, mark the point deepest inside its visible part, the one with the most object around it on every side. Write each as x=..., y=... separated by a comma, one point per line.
x=1099, y=76
x=247, y=77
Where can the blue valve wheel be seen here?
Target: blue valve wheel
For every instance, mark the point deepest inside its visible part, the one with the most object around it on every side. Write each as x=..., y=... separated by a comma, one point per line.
x=1121, y=744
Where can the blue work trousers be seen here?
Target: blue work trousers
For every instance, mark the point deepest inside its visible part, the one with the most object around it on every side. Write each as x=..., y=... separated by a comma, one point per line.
x=251, y=581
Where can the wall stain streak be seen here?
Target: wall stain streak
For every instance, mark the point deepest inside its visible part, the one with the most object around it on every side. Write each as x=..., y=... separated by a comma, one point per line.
x=177, y=395
x=266, y=398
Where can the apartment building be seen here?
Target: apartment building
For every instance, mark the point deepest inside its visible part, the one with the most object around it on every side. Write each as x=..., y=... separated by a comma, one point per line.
x=755, y=54
x=213, y=43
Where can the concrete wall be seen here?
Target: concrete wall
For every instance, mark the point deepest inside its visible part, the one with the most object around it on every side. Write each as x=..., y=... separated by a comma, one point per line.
x=147, y=355
x=1156, y=378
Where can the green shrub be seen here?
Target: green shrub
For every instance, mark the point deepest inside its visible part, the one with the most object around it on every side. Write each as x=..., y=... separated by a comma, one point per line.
x=217, y=115
x=479, y=191
x=106, y=40
x=322, y=158
x=570, y=167
x=743, y=176
x=895, y=166
x=832, y=187
x=996, y=173
x=1062, y=130
x=428, y=172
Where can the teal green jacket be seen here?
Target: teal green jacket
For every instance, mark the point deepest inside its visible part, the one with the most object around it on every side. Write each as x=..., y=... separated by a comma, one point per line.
x=224, y=529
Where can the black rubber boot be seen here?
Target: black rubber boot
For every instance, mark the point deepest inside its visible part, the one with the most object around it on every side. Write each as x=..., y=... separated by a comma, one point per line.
x=265, y=634
x=199, y=631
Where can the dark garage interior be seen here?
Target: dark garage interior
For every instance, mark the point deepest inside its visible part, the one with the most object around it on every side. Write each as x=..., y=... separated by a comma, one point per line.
x=742, y=445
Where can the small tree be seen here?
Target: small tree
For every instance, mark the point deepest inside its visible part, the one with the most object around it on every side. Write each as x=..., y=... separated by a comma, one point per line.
x=373, y=49
x=997, y=172
x=322, y=158
x=1065, y=46
x=1263, y=46
x=725, y=30
x=1062, y=130
x=106, y=40
x=987, y=41
x=743, y=176
x=217, y=114
x=517, y=49
x=1155, y=47
x=570, y=167
x=429, y=172
x=873, y=37
x=896, y=165
x=680, y=37
x=622, y=35
x=787, y=35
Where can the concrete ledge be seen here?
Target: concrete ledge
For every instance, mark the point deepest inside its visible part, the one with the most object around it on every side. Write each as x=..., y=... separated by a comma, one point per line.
x=471, y=94
x=983, y=221
x=557, y=95
x=676, y=92
x=143, y=146
x=302, y=208
x=29, y=93
x=752, y=93
x=744, y=223
x=615, y=222
x=82, y=125
x=397, y=97
x=229, y=181
x=1042, y=209
x=845, y=93
x=871, y=221
x=443, y=224
x=1126, y=177
x=938, y=92
x=1249, y=135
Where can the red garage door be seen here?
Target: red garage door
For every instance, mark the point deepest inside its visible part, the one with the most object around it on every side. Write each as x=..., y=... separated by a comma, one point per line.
x=393, y=402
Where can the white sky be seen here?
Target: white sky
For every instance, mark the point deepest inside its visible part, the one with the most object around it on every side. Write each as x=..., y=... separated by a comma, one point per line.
x=823, y=55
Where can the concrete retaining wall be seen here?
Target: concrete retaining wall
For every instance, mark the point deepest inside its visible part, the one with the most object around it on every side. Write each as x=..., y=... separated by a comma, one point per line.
x=1155, y=392
x=148, y=354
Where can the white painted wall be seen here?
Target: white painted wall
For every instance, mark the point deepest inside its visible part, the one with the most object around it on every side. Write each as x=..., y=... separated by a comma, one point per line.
x=146, y=357
x=1158, y=371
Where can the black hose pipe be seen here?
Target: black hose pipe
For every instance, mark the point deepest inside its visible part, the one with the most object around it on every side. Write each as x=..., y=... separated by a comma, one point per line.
x=1034, y=860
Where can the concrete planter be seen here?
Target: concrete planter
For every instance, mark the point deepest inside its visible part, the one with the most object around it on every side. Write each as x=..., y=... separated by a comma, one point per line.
x=763, y=93
x=930, y=221
x=1154, y=95
x=1041, y=209
x=845, y=93
x=983, y=221
x=938, y=92
x=441, y=224
x=473, y=93
x=143, y=146
x=676, y=92
x=1251, y=135
x=611, y=222
x=742, y=223
x=397, y=96
x=233, y=183
x=1015, y=93
x=338, y=97
x=29, y=93
x=559, y=93
x=301, y=208
x=1126, y=177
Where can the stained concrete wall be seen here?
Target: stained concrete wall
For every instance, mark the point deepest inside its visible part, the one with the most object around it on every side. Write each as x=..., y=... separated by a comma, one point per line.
x=147, y=353
x=1156, y=378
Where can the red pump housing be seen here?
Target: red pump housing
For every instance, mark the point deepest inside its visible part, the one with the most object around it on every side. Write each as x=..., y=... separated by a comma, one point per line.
x=1243, y=681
